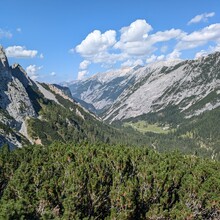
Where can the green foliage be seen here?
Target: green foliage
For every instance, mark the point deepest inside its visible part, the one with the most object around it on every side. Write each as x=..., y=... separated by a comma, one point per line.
x=144, y=127
x=204, y=130
x=81, y=181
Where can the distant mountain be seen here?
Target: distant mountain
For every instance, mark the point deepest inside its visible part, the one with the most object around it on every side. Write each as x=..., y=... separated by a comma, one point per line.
x=176, y=103
x=101, y=90
x=189, y=87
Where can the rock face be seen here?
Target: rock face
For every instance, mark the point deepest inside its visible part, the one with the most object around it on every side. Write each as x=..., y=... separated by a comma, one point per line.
x=19, y=73
x=3, y=60
x=19, y=101
x=15, y=104
x=14, y=98
x=190, y=86
x=99, y=92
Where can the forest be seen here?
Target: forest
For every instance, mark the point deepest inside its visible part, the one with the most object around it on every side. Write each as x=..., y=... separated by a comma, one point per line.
x=99, y=181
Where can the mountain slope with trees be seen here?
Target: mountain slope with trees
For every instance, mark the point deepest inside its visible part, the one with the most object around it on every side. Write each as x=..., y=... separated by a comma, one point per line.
x=84, y=181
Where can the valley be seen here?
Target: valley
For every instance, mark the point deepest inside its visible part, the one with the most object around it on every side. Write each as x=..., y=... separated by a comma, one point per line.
x=109, y=110
x=119, y=149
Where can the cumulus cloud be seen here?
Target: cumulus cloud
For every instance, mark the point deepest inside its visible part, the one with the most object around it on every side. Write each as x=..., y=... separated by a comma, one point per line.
x=132, y=40
x=20, y=52
x=202, y=17
x=32, y=71
x=136, y=43
x=137, y=30
x=84, y=64
x=142, y=43
x=82, y=74
x=96, y=42
x=5, y=34
x=199, y=38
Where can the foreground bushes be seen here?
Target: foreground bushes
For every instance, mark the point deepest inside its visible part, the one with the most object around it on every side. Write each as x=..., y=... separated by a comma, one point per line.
x=106, y=182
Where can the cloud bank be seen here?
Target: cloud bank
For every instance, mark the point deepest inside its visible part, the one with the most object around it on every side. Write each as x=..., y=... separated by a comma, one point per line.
x=138, y=44
x=20, y=52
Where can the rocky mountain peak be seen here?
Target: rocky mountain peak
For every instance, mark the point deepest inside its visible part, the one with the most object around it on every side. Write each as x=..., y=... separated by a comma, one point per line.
x=3, y=59
x=19, y=73
x=190, y=86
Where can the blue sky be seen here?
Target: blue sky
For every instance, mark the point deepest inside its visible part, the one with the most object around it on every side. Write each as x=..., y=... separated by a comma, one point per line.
x=62, y=40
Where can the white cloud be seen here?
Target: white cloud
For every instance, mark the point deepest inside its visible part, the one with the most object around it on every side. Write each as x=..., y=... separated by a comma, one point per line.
x=201, y=53
x=18, y=30
x=20, y=52
x=136, y=43
x=132, y=40
x=153, y=58
x=84, y=64
x=132, y=62
x=199, y=38
x=82, y=74
x=216, y=48
x=108, y=58
x=5, y=34
x=162, y=36
x=138, y=62
x=53, y=74
x=175, y=55
x=96, y=42
x=137, y=30
x=160, y=58
x=138, y=48
x=211, y=49
x=202, y=17
x=141, y=43
x=32, y=71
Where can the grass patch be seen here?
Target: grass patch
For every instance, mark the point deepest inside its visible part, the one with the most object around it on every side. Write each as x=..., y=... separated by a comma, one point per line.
x=144, y=127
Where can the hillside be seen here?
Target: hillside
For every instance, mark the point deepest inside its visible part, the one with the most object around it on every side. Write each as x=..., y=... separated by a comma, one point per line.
x=176, y=101
x=39, y=113
x=190, y=86
x=83, y=181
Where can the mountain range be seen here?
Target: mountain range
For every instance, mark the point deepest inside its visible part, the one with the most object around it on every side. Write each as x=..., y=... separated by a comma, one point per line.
x=166, y=106
x=191, y=87
x=179, y=98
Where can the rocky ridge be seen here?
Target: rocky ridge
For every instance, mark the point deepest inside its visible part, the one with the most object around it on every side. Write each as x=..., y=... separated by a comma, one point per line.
x=20, y=101
x=189, y=86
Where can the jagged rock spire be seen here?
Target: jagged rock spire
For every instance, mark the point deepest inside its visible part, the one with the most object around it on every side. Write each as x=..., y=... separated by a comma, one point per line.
x=19, y=73
x=3, y=59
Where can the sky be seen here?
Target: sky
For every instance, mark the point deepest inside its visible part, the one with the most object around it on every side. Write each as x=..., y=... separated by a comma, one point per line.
x=63, y=40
